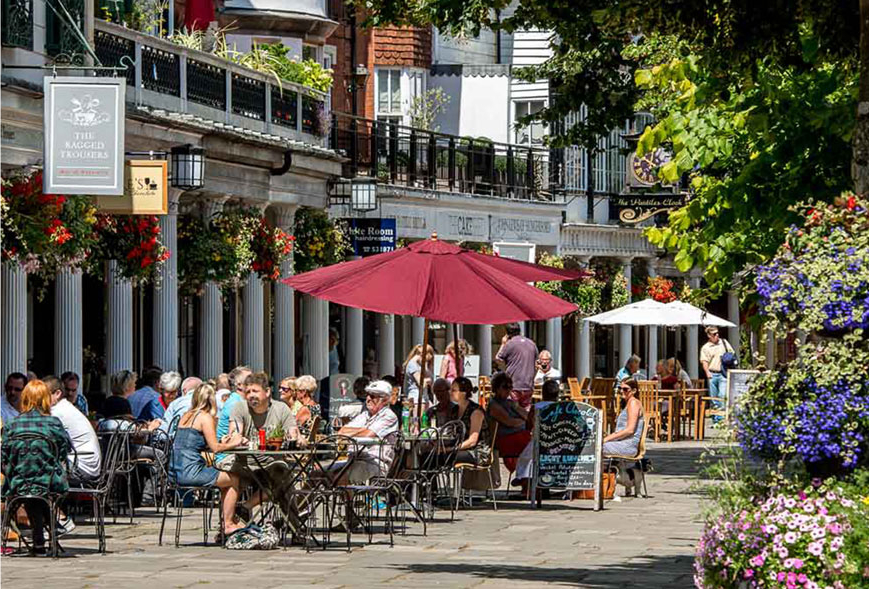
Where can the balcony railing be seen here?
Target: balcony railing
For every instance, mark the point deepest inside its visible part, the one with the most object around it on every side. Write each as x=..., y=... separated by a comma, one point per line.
x=173, y=78
x=416, y=158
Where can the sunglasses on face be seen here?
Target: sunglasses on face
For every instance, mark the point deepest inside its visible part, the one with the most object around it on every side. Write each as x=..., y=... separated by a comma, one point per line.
x=16, y=389
x=285, y=389
x=624, y=389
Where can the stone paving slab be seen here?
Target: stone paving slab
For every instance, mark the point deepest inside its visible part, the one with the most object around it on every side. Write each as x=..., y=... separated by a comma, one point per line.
x=635, y=543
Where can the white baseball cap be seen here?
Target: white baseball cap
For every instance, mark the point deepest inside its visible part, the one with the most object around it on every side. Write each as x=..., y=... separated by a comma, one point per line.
x=379, y=388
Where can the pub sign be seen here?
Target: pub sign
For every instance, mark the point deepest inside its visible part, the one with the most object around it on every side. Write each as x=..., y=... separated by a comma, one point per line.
x=84, y=135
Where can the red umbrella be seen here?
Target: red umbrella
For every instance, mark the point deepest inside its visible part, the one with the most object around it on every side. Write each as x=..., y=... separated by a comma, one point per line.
x=442, y=282
x=439, y=281
x=198, y=14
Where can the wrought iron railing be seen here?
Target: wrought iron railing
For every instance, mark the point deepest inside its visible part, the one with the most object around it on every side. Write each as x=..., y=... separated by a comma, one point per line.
x=18, y=23
x=416, y=158
x=174, y=78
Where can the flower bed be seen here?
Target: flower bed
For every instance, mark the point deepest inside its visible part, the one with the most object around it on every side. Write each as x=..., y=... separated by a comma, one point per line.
x=805, y=539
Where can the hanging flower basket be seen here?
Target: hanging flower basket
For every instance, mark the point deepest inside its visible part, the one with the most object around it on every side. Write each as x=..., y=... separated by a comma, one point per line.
x=134, y=241
x=319, y=240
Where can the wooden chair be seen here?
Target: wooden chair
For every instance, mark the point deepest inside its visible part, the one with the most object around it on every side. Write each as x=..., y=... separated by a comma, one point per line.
x=649, y=397
x=625, y=460
x=576, y=390
x=605, y=387
x=698, y=383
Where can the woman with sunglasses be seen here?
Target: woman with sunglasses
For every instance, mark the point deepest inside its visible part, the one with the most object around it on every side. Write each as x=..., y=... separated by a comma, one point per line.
x=629, y=426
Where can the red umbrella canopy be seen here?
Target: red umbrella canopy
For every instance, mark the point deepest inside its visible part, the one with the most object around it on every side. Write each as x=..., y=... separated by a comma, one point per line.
x=439, y=281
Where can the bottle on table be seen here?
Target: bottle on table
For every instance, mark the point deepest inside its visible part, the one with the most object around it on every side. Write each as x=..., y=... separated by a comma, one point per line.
x=262, y=439
x=405, y=419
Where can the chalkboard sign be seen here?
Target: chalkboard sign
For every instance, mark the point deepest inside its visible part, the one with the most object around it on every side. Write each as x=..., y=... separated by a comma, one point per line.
x=738, y=383
x=567, y=449
x=340, y=393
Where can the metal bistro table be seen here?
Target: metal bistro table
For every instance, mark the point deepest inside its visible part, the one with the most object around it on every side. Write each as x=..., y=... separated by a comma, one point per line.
x=301, y=462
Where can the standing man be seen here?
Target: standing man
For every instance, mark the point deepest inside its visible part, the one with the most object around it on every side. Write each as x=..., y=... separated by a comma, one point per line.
x=545, y=370
x=70, y=382
x=710, y=359
x=517, y=357
x=11, y=402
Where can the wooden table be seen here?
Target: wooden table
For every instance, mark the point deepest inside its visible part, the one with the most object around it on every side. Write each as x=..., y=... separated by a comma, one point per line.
x=696, y=396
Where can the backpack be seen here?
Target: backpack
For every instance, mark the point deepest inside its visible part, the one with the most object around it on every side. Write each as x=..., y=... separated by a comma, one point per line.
x=728, y=358
x=254, y=537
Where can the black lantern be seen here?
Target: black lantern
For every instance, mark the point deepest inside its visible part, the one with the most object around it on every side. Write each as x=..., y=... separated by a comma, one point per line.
x=363, y=194
x=188, y=167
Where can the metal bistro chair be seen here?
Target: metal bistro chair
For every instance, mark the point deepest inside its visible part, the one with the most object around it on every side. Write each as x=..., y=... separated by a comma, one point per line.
x=485, y=464
x=24, y=443
x=365, y=499
x=179, y=493
x=450, y=436
x=324, y=492
x=99, y=490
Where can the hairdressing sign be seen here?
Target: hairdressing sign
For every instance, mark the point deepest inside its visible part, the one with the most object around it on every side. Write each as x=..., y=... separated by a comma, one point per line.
x=84, y=135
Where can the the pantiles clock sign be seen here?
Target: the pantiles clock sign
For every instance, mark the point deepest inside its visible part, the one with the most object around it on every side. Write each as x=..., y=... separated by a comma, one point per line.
x=645, y=195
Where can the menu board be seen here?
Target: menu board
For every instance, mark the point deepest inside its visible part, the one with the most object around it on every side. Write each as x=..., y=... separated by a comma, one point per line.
x=567, y=448
x=340, y=393
x=738, y=383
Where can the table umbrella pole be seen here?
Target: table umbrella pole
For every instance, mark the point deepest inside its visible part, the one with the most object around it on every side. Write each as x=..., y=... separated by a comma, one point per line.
x=458, y=352
x=423, y=362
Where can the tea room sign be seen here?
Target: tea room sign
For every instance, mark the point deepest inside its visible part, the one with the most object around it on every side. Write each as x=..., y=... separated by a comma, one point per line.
x=84, y=135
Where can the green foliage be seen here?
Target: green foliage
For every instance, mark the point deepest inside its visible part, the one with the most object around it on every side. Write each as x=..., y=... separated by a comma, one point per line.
x=751, y=149
x=306, y=72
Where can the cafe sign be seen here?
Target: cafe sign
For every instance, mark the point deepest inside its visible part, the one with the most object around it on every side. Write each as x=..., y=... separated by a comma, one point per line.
x=84, y=135
x=145, y=190
x=637, y=207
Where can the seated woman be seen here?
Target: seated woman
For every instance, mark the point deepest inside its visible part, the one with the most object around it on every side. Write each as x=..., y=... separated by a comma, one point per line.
x=476, y=443
x=629, y=426
x=28, y=464
x=682, y=376
x=445, y=409
x=287, y=390
x=195, y=434
x=512, y=435
x=309, y=409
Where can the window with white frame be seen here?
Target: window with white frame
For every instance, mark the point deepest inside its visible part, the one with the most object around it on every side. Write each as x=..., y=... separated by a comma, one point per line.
x=530, y=134
x=388, y=103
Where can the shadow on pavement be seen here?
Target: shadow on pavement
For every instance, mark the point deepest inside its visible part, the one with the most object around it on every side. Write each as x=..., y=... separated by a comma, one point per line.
x=657, y=571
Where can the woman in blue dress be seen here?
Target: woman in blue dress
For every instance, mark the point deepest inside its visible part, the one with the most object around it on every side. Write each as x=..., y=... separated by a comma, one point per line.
x=629, y=427
x=197, y=433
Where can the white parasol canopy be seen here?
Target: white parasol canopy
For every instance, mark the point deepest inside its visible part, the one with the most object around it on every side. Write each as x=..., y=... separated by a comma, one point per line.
x=645, y=312
x=651, y=312
x=691, y=315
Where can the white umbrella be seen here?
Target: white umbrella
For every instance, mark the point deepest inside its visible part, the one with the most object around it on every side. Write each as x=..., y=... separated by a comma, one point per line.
x=645, y=312
x=690, y=315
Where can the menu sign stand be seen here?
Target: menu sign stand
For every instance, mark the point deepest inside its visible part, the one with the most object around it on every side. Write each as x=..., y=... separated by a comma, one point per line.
x=567, y=450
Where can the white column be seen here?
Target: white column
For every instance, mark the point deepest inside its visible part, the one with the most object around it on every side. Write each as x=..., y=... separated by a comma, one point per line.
x=733, y=316
x=211, y=332
x=315, y=320
x=385, y=344
x=353, y=344
x=418, y=328
x=119, y=344
x=484, y=332
x=625, y=331
x=553, y=340
x=652, y=330
x=13, y=284
x=692, y=351
x=68, y=345
x=584, y=350
x=285, y=314
x=165, y=324
x=253, y=332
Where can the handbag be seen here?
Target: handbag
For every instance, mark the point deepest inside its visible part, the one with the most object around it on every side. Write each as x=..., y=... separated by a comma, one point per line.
x=607, y=488
x=728, y=358
x=254, y=537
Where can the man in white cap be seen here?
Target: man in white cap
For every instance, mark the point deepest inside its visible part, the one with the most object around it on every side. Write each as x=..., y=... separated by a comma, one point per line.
x=376, y=421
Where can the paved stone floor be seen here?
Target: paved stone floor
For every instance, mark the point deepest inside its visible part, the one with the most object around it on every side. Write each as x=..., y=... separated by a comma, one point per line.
x=635, y=543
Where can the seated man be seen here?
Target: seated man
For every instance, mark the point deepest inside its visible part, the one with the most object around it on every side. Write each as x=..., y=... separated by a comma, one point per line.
x=376, y=421
x=145, y=402
x=545, y=370
x=247, y=418
x=85, y=462
x=11, y=401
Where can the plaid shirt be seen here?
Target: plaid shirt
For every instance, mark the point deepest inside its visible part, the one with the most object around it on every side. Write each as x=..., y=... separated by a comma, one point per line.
x=29, y=466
